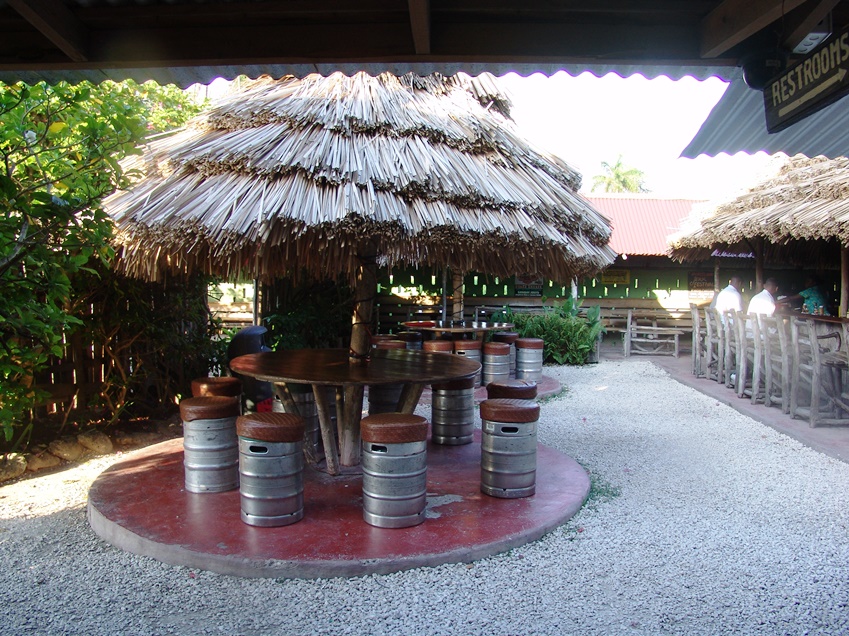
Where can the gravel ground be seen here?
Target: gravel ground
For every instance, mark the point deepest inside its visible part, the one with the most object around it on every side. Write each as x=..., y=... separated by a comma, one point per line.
x=700, y=521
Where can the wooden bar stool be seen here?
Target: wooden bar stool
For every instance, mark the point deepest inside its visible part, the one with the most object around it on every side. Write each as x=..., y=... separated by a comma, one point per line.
x=777, y=360
x=699, y=345
x=714, y=345
x=817, y=388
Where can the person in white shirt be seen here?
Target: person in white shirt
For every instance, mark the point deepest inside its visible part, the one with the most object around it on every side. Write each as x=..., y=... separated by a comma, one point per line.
x=729, y=297
x=764, y=302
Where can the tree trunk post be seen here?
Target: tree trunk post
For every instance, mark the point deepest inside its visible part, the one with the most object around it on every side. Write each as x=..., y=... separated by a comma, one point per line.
x=457, y=296
x=844, y=281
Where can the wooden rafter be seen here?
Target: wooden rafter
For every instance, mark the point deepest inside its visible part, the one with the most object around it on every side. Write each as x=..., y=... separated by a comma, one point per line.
x=56, y=22
x=420, y=24
x=813, y=13
x=734, y=21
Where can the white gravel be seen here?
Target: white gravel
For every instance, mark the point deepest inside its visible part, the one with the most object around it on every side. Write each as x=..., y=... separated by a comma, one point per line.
x=701, y=521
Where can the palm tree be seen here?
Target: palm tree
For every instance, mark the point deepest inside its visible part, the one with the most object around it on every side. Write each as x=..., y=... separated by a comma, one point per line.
x=619, y=178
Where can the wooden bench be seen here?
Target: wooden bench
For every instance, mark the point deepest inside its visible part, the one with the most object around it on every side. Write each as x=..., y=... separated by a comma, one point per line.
x=650, y=339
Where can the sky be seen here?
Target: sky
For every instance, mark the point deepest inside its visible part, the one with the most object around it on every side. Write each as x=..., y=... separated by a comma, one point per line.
x=586, y=120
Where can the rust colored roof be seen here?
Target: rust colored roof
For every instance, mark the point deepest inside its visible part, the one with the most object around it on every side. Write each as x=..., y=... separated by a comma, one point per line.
x=641, y=223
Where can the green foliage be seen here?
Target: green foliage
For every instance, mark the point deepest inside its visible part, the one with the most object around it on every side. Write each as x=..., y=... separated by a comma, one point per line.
x=569, y=334
x=310, y=315
x=619, y=178
x=60, y=148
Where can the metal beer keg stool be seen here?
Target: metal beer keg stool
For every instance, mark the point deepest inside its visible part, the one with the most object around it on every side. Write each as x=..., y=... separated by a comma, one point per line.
x=512, y=390
x=227, y=386
x=496, y=362
x=529, y=353
x=394, y=462
x=383, y=398
x=210, y=444
x=509, y=448
x=472, y=350
x=508, y=337
x=413, y=339
x=438, y=346
x=271, y=468
x=452, y=413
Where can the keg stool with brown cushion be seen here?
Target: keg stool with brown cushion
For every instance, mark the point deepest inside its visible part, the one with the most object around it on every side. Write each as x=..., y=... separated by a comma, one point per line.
x=439, y=346
x=384, y=398
x=508, y=447
x=210, y=444
x=510, y=338
x=394, y=462
x=271, y=468
x=452, y=412
x=472, y=350
x=496, y=362
x=225, y=385
x=512, y=390
x=413, y=339
x=529, y=356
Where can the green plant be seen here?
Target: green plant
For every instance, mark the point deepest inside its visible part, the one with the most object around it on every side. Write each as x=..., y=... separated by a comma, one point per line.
x=313, y=315
x=569, y=334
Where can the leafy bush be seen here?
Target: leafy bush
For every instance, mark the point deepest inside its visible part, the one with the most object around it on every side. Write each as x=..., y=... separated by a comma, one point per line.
x=569, y=336
x=314, y=315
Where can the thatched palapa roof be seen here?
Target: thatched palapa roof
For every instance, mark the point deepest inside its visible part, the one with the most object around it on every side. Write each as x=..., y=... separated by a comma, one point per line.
x=802, y=214
x=309, y=175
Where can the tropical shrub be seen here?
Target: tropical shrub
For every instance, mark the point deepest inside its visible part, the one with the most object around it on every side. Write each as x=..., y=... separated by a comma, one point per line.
x=569, y=334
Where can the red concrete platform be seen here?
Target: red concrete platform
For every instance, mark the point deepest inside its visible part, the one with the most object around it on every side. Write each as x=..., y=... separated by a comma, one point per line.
x=140, y=505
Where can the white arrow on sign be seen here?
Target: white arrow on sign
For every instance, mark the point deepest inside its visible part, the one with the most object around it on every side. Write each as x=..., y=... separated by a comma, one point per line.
x=834, y=79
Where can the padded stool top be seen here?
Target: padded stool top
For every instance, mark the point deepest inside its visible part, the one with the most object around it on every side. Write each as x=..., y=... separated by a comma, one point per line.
x=209, y=407
x=410, y=336
x=393, y=428
x=467, y=345
x=442, y=346
x=530, y=343
x=225, y=385
x=512, y=389
x=454, y=385
x=509, y=411
x=390, y=344
x=496, y=349
x=271, y=427
x=505, y=336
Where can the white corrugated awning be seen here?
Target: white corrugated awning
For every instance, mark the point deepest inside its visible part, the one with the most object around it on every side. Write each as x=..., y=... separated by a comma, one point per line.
x=737, y=124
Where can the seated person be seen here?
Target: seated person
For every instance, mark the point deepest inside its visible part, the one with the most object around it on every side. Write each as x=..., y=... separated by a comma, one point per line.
x=729, y=298
x=764, y=302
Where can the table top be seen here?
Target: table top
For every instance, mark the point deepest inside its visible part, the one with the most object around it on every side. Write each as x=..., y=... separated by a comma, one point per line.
x=334, y=367
x=462, y=326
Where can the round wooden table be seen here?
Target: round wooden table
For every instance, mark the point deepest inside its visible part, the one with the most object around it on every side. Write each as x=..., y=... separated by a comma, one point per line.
x=333, y=367
x=458, y=327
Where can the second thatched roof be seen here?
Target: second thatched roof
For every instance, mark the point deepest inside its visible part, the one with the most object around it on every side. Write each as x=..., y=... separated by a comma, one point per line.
x=311, y=175
x=796, y=212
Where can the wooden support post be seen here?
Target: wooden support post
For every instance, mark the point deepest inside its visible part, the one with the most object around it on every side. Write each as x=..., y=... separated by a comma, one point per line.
x=759, y=263
x=457, y=296
x=717, y=283
x=348, y=424
x=364, y=295
x=844, y=281
x=326, y=426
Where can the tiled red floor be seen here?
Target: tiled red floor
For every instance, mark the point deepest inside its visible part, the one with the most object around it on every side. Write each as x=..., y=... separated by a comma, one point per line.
x=140, y=505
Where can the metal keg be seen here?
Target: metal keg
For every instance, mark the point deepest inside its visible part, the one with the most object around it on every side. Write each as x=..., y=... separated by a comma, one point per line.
x=384, y=398
x=508, y=337
x=438, y=346
x=496, y=362
x=304, y=400
x=453, y=412
x=508, y=448
x=529, y=353
x=271, y=470
x=472, y=350
x=210, y=444
x=394, y=463
x=412, y=339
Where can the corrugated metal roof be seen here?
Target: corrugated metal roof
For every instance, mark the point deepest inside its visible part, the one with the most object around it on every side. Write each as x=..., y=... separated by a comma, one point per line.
x=642, y=223
x=737, y=124
x=185, y=76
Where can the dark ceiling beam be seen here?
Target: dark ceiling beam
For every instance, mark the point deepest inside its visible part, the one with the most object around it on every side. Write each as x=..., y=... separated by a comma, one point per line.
x=812, y=12
x=734, y=21
x=420, y=24
x=53, y=19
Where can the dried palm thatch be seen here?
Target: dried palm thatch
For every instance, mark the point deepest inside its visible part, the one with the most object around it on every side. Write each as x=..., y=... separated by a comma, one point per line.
x=310, y=175
x=801, y=215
